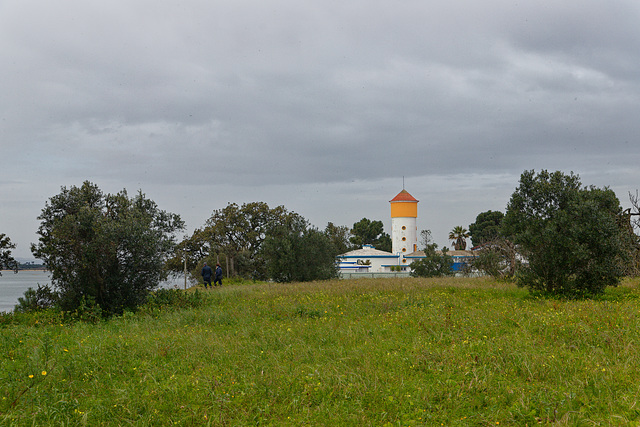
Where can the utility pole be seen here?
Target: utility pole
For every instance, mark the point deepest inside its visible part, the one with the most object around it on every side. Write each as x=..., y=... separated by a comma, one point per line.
x=185, y=269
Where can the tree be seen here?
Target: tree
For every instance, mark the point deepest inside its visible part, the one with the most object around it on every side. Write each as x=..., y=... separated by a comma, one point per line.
x=384, y=243
x=486, y=228
x=633, y=214
x=339, y=237
x=367, y=232
x=104, y=249
x=631, y=221
x=497, y=258
x=295, y=251
x=459, y=236
x=496, y=255
x=235, y=233
x=434, y=264
x=425, y=238
x=194, y=248
x=569, y=235
x=7, y=262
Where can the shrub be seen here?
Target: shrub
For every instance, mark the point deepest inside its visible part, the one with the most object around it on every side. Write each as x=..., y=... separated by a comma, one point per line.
x=569, y=235
x=434, y=264
x=104, y=250
x=37, y=299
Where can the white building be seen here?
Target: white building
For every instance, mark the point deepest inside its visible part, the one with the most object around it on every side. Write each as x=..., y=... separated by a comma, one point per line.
x=367, y=260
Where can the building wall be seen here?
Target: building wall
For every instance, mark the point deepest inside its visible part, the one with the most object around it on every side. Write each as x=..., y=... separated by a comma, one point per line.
x=384, y=275
x=404, y=235
x=376, y=263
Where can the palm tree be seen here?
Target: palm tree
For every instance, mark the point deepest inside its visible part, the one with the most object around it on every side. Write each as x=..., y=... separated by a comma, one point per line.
x=459, y=236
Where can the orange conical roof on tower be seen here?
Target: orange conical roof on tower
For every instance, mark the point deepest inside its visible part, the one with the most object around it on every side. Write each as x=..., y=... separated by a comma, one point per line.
x=404, y=196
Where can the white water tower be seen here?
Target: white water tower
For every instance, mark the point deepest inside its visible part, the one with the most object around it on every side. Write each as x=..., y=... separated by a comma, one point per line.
x=404, y=228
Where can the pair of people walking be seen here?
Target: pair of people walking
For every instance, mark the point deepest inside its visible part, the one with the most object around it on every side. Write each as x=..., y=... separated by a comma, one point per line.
x=207, y=272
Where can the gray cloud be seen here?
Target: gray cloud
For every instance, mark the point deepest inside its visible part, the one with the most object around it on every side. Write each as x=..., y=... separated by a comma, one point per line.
x=321, y=107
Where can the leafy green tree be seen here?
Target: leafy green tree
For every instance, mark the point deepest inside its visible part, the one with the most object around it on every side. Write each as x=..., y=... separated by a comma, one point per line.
x=296, y=252
x=459, y=236
x=7, y=262
x=104, y=249
x=486, y=228
x=569, y=235
x=435, y=263
x=236, y=232
x=367, y=232
x=339, y=237
x=233, y=234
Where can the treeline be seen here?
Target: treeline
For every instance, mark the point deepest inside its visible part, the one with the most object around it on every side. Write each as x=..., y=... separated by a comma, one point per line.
x=30, y=266
x=258, y=242
x=255, y=241
x=106, y=252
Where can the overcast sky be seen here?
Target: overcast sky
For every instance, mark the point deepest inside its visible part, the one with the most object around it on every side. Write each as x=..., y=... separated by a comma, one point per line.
x=320, y=106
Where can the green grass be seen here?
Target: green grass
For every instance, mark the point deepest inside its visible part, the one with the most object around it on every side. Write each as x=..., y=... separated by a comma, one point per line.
x=453, y=352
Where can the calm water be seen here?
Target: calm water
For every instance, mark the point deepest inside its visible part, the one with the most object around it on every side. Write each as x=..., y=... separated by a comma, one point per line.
x=12, y=286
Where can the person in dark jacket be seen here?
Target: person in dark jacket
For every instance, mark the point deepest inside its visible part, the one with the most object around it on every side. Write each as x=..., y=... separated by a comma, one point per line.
x=218, y=278
x=207, y=272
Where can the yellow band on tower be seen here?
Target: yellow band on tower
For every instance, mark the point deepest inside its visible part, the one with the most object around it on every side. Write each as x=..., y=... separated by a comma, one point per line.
x=404, y=209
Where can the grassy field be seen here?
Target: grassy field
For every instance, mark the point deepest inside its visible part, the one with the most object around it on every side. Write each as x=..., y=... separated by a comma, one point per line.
x=400, y=352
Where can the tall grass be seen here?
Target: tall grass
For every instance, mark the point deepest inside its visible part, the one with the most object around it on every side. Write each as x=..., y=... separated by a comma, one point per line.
x=371, y=352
